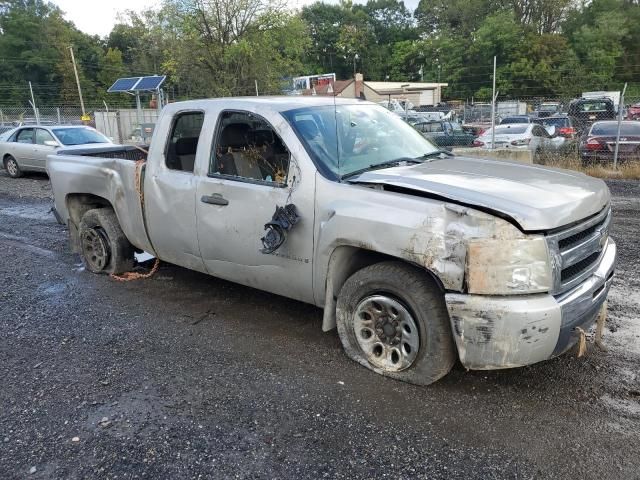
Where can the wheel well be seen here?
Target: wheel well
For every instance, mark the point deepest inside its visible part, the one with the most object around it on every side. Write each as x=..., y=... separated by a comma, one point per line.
x=344, y=262
x=77, y=205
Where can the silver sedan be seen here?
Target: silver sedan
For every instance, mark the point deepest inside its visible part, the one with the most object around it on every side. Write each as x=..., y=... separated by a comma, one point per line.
x=26, y=148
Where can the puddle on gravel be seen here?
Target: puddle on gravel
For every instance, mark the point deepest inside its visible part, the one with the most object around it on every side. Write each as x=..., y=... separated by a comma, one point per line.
x=626, y=407
x=32, y=212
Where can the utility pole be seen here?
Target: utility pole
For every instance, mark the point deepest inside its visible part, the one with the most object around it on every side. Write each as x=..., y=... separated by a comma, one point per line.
x=620, y=108
x=257, y=95
x=493, y=107
x=75, y=69
x=33, y=105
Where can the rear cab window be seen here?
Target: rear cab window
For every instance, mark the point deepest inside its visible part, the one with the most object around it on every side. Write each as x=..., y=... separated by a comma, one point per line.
x=182, y=144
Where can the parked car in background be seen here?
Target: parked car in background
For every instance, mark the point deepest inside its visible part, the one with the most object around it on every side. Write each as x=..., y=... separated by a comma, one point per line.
x=600, y=142
x=445, y=134
x=548, y=109
x=475, y=130
x=563, y=127
x=26, y=148
x=515, y=119
x=585, y=111
x=530, y=136
x=633, y=112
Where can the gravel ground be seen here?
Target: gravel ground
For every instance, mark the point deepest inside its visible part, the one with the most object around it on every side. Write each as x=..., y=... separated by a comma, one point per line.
x=186, y=376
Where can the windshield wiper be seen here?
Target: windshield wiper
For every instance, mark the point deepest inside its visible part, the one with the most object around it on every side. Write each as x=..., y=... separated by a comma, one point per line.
x=376, y=166
x=436, y=153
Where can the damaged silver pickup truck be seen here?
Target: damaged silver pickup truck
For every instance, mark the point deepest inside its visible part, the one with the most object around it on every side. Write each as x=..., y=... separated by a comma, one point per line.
x=418, y=257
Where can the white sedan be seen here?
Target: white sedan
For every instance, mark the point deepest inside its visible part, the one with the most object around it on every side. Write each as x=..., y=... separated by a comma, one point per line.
x=523, y=136
x=26, y=148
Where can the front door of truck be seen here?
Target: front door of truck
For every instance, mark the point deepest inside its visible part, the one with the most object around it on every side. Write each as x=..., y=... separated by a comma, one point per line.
x=250, y=173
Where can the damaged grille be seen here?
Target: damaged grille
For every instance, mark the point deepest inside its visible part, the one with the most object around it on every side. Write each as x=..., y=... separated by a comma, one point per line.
x=577, y=250
x=576, y=269
x=576, y=238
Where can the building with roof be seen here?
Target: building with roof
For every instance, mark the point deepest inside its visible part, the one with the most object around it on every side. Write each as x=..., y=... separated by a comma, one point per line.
x=418, y=93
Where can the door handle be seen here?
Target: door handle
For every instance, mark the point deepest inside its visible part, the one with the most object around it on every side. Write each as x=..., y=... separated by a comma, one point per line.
x=215, y=199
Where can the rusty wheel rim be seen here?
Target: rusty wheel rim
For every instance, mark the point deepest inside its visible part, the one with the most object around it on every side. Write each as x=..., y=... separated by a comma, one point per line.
x=95, y=248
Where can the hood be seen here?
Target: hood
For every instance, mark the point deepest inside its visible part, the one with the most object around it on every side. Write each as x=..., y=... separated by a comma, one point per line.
x=537, y=198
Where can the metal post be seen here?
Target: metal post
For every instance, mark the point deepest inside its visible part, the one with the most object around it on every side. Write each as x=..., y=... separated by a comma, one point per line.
x=257, y=95
x=620, y=108
x=139, y=112
x=58, y=115
x=493, y=108
x=75, y=70
x=158, y=100
x=33, y=105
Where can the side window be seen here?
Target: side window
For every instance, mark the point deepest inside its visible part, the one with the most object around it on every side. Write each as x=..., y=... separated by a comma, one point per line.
x=25, y=136
x=43, y=136
x=247, y=147
x=183, y=141
x=436, y=127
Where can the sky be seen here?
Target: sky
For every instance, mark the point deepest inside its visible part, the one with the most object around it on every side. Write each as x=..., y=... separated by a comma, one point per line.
x=97, y=17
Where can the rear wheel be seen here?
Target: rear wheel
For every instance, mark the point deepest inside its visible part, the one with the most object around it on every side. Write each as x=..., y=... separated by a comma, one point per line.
x=103, y=245
x=13, y=169
x=392, y=319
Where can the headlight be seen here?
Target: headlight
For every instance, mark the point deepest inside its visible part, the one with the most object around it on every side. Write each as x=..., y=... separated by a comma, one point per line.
x=507, y=267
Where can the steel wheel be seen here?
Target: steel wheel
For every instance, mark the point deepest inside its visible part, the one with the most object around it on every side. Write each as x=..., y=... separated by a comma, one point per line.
x=386, y=332
x=12, y=167
x=95, y=249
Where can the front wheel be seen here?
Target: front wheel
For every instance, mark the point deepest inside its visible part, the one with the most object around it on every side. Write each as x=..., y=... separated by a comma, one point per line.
x=392, y=319
x=13, y=169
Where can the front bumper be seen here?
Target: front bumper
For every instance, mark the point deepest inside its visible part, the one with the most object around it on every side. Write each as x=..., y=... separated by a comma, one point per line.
x=494, y=332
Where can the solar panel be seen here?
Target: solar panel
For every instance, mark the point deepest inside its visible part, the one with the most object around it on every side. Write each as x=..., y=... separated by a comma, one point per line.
x=123, y=84
x=149, y=83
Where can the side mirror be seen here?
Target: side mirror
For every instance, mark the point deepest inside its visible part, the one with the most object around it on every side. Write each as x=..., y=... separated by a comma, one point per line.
x=51, y=143
x=551, y=129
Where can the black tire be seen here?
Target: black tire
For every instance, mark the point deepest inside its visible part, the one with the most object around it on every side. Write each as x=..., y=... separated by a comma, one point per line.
x=419, y=294
x=103, y=245
x=12, y=167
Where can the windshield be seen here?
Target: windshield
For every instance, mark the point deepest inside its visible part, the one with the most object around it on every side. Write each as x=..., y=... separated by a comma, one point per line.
x=611, y=128
x=79, y=136
x=548, y=108
x=347, y=138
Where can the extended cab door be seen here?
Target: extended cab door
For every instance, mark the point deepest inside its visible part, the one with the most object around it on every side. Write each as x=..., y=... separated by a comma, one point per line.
x=170, y=187
x=249, y=173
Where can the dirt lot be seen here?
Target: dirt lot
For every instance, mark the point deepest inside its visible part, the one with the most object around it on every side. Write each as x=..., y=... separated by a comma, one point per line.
x=187, y=376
